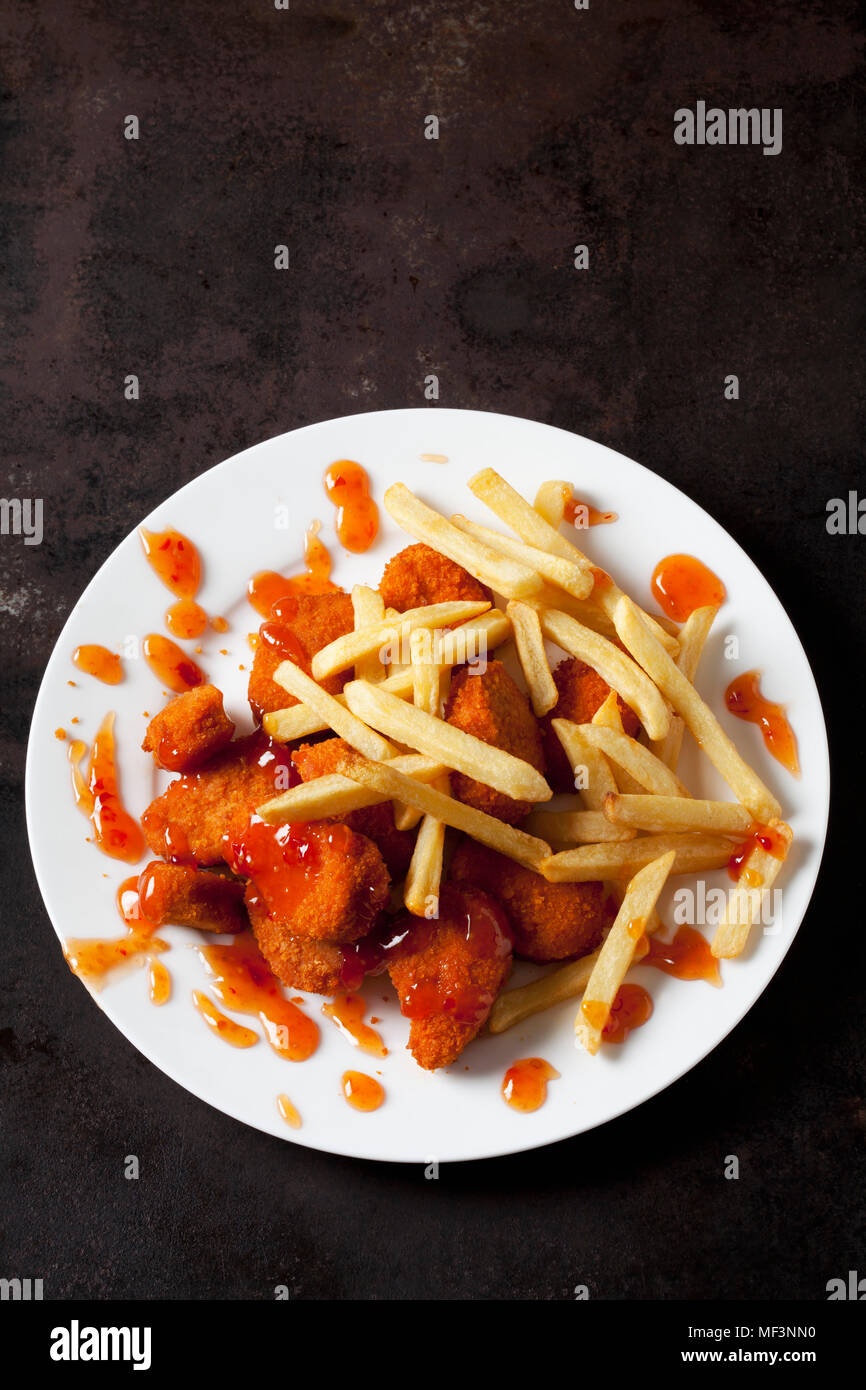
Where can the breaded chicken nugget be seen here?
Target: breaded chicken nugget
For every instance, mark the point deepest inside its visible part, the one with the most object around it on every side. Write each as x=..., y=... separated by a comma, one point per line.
x=191, y=729
x=491, y=707
x=419, y=575
x=192, y=821
x=301, y=625
x=320, y=880
x=550, y=921
x=185, y=896
x=314, y=760
x=298, y=961
x=448, y=972
x=581, y=692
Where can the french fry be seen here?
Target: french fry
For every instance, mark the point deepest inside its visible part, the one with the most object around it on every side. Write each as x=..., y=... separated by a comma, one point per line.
x=334, y=795
x=507, y=577
x=621, y=673
x=426, y=676
x=678, y=813
x=617, y=950
x=381, y=777
x=369, y=609
x=638, y=761
x=608, y=717
x=693, y=635
x=589, y=862
x=569, y=981
x=576, y=827
x=758, y=874
x=458, y=750
x=425, y=869
x=593, y=778
x=550, y=501
x=530, y=526
x=345, y=651
x=451, y=648
x=568, y=575
x=699, y=718
x=533, y=657
x=427, y=682
x=344, y=723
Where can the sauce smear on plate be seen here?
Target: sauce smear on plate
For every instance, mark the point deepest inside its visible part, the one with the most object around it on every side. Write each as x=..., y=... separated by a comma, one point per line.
x=680, y=584
x=744, y=699
x=348, y=487
x=524, y=1086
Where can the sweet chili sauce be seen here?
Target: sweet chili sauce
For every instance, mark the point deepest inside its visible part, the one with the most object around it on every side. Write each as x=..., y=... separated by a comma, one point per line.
x=348, y=487
x=347, y=1012
x=485, y=931
x=235, y=1034
x=686, y=957
x=680, y=584
x=97, y=794
x=170, y=664
x=243, y=982
x=631, y=1009
x=186, y=619
x=744, y=699
x=582, y=515
x=267, y=587
x=361, y=1091
x=92, y=958
x=288, y=1112
x=763, y=837
x=160, y=983
x=524, y=1086
x=174, y=559
x=98, y=661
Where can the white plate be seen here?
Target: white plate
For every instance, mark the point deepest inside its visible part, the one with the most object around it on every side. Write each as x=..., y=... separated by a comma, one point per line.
x=233, y=513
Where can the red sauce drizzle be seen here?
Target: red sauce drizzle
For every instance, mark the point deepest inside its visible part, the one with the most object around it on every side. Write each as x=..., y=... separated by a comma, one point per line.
x=347, y=1012
x=170, y=664
x=362, y=1092
x=744, y=699
x=97, y=794
x=524, y=1086
x=226, y=1028
x=186, y=619
x=631, y=1009
x=348, y=487
x=267, y=587
x=686, y=957
x=763, y=837
x=99, y=662
x=244, y=983
x=680, y=584
x=174, y=559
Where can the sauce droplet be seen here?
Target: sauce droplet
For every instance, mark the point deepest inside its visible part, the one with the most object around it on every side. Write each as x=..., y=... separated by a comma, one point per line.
x=348, y=487
x=288, y=1112
x=186, y=619
x=631, y=1009
x=91, y=958
x=686, y=957
x=595, y=1011
x=233, y=1033
x=680, y=584
x=763, y=837
x=347, y=1012
x=160, y=983
x=362, y=1092
x=170, y=664
x=524, y=1086
x=744, y=699
x=581, y=514
x=243, y=982
x=267, y=587
x=97, y=794
x=174, y=560
x=99, y=662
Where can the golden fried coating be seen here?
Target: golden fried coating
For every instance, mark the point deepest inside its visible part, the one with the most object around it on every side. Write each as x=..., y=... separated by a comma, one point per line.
x=581, y=692
x=191, y=729
x=193, y=820
x=550, y=921
x=182, y=895
x=448, y=972
x=320, y=880
x=314, y=760
x=298, y=961
x=302, y=625
x=491, y=707
x=419, y=575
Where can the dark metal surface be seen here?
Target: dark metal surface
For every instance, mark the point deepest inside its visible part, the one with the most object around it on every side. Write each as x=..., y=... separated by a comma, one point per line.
x=410, y=256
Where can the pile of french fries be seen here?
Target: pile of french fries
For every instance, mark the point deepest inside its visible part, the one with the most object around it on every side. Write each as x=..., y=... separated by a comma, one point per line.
x=633, y=822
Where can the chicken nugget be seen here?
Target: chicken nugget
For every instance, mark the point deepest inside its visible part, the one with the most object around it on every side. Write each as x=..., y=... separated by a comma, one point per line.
x=581, y=692
x=550, y=921
x=301, y=962
x=300, y=626
x=185, y=896
x=419, y=575
x=448, y=972
x=192, y=821
x=189, y=731
x=320, y=880
x=314, y=760
x=491, y=707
